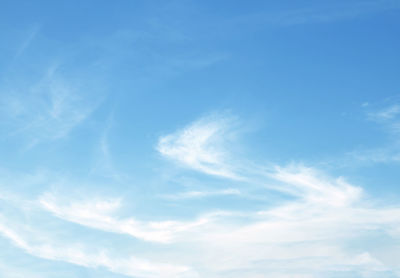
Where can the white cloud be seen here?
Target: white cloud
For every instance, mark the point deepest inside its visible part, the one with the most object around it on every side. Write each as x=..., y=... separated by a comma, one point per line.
x=201, y=194
x=312, y=186
x=314, y=232
x=201, y=146
x=43, y=247
x=313, y=227
x=98, y=214
x=308, y=234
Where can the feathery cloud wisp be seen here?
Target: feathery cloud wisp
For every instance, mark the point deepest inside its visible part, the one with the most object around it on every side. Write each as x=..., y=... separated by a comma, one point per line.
x=76, y=254
x=199, y=146
x=48, y=109
x=99, y=215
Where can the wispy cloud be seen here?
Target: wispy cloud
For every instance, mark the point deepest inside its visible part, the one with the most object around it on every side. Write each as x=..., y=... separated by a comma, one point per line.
x=48, y=109
x=79, y=195
x=308, y=184
x=99, y=215
x=313, y=226
x=76, y=254
x=34, y=30
x=103, y=162
x=388, y=116
x=386, y=154
x=314, y=231
x=387, y=113
x=326, y=13
x=199, y=146
x=201, y=194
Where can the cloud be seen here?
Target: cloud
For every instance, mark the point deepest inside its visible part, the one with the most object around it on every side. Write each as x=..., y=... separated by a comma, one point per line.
x=104, y=162
x=313, y=226
x=326, y=13
x=201, y=146
x=47, y=109
x=99, y=215
x=310, y=185
x=201, y=194
x=34, y=30
x=307, y=234
x=324, y=226
x=76, y=254
x=389, y=154
x=385, y=114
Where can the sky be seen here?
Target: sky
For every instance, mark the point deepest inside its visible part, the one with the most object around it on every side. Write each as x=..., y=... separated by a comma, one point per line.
x=190, y=139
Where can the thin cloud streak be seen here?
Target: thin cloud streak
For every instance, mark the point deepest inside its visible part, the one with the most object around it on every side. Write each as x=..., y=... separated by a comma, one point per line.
x=76, y=254
x=309, y=14
x=201, y=194
x=49, y=110
x=28, y=40
x=99, y=215
x=388, y=115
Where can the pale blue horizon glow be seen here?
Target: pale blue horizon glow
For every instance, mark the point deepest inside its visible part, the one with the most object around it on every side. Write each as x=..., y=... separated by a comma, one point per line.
x=200, y=139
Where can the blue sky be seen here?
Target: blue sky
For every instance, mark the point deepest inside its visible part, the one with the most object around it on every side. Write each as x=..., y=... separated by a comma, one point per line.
x=199, y=139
